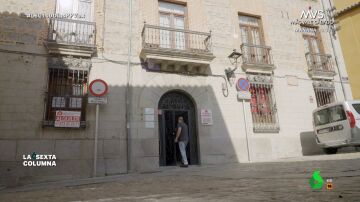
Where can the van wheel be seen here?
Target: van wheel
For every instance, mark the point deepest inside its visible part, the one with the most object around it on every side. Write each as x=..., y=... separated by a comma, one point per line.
x=357, y=148
x=330, y=150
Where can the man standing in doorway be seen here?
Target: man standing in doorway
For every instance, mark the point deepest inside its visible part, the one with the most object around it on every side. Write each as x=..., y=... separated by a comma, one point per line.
x=182, y=136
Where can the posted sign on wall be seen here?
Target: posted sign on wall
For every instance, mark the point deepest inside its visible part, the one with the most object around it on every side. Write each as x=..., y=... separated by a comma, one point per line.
x=206, y=117
x=67, y=119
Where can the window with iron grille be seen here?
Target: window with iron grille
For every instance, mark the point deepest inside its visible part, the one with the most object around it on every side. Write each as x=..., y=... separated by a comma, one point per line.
x=67, y=90
x=262, y=103
x=324, y=92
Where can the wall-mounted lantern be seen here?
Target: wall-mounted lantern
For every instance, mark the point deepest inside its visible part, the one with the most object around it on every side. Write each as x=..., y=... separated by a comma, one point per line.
x=233, y=58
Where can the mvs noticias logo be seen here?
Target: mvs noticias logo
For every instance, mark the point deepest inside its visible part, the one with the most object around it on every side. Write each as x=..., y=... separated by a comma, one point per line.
x=312, y=14
x=311, y=18
x=39, y=160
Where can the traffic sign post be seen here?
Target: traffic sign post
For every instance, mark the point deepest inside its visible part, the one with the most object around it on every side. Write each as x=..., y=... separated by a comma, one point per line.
x=97, y=88
x=243, y=87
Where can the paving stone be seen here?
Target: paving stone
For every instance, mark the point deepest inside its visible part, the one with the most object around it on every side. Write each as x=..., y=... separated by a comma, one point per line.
x=281, y=181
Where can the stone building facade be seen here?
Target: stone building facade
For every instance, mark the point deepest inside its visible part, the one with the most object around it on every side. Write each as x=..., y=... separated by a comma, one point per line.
x=169, y=59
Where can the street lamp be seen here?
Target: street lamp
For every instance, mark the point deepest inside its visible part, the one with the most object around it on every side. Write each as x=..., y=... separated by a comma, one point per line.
x=233, y=58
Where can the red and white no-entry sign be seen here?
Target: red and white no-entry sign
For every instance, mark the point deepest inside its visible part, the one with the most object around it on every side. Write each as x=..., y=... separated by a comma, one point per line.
x=98, y=87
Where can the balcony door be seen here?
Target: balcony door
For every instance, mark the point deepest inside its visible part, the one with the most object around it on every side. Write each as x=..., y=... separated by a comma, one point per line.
x=252, y=39
x=172, y=18
x=74, y=28
x=311, y=43
x=313, y=48
x=81, y=7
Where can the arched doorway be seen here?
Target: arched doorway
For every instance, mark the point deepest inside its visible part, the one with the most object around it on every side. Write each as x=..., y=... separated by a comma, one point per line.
x=172, y=105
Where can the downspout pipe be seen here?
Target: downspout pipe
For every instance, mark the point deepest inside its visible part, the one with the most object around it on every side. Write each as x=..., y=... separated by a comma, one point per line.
x=128, y=94
x=128, y=89
x=335, y=53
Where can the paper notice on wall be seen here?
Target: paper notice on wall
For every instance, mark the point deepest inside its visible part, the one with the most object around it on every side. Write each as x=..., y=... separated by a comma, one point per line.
x=292, y=80
x=149, y=117
x=75, y=102
x=149, y=124
x=67, y=119
x=58, y=102
x=206, y=117
x=149, y=110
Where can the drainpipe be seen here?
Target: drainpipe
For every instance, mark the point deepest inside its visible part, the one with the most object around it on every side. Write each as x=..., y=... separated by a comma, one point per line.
x=103, y=30
x=334, y=51
x=128, y=94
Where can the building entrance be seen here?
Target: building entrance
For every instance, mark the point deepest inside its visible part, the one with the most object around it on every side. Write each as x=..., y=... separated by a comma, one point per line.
x=172, y=105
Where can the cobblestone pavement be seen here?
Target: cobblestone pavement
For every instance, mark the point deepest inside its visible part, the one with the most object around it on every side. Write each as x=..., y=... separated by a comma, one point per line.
x=282, y=181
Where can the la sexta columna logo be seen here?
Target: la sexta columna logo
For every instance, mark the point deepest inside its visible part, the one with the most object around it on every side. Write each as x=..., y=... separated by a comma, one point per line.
x=35, y=159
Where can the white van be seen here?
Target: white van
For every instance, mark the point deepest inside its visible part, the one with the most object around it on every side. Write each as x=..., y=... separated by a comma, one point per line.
x=337, y=125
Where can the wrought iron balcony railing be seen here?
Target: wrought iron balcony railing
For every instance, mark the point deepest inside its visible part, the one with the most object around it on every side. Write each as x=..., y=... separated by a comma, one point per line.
x=171, y=39
x=320, y=64
x=256, y=54
x=72, y=32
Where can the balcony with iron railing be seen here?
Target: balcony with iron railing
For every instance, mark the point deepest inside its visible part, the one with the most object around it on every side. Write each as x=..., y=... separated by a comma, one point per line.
x=170, y=47
x=256, y=57
x=71, y=37
x=320, y=65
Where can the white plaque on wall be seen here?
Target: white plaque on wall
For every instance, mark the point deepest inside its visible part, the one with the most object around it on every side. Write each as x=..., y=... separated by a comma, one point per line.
x=206, y=117
x=149, y=124
x=149, y=111
x=149, y=117
x=292, y=80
